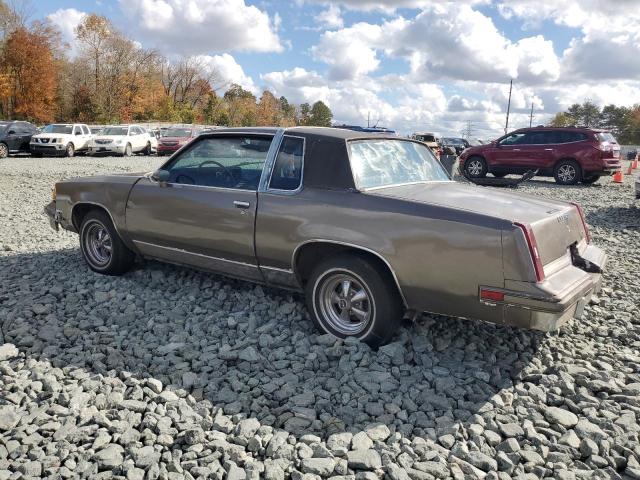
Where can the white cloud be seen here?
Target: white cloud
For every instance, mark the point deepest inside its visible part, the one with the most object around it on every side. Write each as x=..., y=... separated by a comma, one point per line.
x=331, y=17
x=390, y=6
x=66, y=20
x=227, y=71
x=203, y=26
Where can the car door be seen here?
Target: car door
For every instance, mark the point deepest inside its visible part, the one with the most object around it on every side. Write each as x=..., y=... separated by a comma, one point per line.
x=13, y=139
x=204, y=215
x=508, y=154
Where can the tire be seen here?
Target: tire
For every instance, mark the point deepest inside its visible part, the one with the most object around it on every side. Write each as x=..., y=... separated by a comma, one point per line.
x=567, y=172
x=381, y=304
x=127, y=151
x=499, y=175
x=590, y=179
x=147, y=149
x=70, y=151
x=97, y=234
x=475, y=167
x=4, y=150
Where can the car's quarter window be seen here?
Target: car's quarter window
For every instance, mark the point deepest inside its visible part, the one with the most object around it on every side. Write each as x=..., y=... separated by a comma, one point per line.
x=86, y=130
x=227, y=162
x=385, y=162
x=77, y=130
x=287, y=170
x=513, y=139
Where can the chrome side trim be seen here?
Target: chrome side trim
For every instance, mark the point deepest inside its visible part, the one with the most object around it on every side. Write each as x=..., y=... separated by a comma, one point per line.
x=271, y=160
x=276, y=269
x=359, y=247
x=187, y=252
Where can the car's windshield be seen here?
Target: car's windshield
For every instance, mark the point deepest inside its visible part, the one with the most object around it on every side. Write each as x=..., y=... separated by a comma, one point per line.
x=58, y=128
x=114, y=131
x=452, y=141
x=606, y=137
x=177, y=132
x=379, y=163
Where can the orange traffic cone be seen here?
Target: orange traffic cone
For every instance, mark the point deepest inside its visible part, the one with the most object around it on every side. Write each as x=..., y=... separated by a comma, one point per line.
x=635, y=164
x=618, y=177
x=630, y=169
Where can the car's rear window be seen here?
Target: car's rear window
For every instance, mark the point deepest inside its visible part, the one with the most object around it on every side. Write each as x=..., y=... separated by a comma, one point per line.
x=605, y=137
x=384, y=162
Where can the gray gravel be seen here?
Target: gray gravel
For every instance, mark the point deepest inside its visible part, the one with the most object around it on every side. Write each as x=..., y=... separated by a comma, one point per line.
x=168, y=373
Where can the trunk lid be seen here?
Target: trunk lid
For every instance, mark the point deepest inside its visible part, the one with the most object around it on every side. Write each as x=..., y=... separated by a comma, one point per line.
x=555, y=224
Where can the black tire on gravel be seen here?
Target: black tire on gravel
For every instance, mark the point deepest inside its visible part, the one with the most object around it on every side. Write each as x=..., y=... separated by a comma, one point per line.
x=567, y=172
x=101, y=246
x=374, y=288
x=475, y=167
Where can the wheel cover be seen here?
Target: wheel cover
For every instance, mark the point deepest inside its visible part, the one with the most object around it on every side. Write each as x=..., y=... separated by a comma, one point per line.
x=4, y=151
x=98, y=244
x=345, y=303
x=474, y=167
x=566, y=173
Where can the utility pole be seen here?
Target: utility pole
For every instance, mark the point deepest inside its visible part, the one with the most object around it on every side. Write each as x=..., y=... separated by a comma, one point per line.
x=531, y=116
x=506, y=125
x=368, y=115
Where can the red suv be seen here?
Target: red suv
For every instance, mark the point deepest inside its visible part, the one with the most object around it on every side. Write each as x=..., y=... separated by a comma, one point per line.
x=570, y=155
x=174, y=138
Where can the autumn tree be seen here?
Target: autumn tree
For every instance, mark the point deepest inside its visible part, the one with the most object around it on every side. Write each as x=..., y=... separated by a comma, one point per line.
x=303, y=114
x=241, y=105
x=268, y=110
x=28, y=68
x=93, y=34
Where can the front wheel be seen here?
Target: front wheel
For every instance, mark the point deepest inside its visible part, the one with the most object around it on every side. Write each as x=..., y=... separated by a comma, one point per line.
x=127, y=150
x=101, y=246
x=349, y=296
x=475, y=167
x=70, y=151
x=567, y=172
x=4, y=150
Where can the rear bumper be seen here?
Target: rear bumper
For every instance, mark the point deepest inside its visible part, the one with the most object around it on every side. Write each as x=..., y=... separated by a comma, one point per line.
x=566, y=297
x=168, y=149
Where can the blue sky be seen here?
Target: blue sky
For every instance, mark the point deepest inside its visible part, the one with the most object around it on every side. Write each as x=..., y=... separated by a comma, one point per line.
x=413, y=65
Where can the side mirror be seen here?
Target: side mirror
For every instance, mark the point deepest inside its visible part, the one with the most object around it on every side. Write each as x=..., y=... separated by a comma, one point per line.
x=161, y=176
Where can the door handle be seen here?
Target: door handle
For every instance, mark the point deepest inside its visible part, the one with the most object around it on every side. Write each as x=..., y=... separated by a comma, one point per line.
x=243, y=205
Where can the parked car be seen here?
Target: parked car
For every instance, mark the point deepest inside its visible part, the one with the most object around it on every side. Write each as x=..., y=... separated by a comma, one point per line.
x=64, y=139
x=15, y=137
x=570, y=155
x=458, y=144
x=431, y=140
x=95, y=129
x=369, y=226
x=175, y=138
x=122, y=140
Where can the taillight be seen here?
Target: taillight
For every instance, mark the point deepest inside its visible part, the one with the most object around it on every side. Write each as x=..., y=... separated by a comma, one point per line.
x=587, y=234
x=533, y=249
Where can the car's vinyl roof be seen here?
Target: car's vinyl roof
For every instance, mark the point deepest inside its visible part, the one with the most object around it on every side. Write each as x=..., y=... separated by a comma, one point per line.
x=329, y=132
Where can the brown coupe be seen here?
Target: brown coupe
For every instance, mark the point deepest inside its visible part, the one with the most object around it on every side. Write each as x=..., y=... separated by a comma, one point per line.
x=371, y=227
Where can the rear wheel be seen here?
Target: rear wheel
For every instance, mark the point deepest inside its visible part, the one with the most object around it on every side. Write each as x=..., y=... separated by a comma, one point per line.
x=70, y=151
x=4, y=150
x=101, y=246
x=348, y=296
x=127, y=150
x=567, y=172
x=475, y=167
x=591, y=179
x=147, y=149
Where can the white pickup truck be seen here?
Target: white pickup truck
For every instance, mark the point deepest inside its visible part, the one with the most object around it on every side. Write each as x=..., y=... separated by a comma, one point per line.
x=61, y=139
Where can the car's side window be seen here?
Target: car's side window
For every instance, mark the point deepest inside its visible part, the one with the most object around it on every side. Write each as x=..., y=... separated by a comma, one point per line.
x=225, y=162
x=77, y=130
x=287, y=170
x=513, y=139
x=85, y=129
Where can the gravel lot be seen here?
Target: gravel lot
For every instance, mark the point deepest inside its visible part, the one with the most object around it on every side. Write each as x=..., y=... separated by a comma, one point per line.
x=174, y=374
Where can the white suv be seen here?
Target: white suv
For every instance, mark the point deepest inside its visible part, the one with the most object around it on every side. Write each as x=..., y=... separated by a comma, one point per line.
x=61, y=139
x=123, y=140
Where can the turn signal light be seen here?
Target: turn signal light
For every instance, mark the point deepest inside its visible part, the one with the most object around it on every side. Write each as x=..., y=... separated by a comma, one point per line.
x=492, y=295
